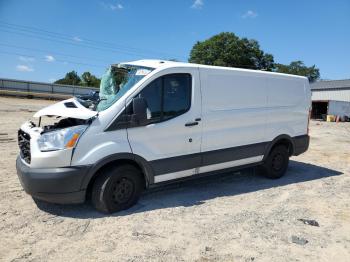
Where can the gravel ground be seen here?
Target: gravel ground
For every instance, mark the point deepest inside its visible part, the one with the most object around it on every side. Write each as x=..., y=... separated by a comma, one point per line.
x=231, y=217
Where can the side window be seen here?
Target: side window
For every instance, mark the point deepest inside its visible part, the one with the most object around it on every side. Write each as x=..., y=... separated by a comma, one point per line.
x=153, y=95
x=168, y=96
x=177, y=95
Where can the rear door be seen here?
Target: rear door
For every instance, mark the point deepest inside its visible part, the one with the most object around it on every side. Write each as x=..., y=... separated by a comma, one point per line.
x=171, y=141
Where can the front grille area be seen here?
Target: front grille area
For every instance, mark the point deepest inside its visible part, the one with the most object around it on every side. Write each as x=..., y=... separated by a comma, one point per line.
x=24, y=145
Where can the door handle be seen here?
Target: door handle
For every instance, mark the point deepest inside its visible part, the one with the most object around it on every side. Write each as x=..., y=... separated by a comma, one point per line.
x=194, y=123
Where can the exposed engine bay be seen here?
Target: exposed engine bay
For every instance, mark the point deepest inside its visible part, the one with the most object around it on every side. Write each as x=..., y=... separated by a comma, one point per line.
x=64, y=123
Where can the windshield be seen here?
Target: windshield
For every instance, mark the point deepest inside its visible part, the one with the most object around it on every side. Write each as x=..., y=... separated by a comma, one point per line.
x=117, y=80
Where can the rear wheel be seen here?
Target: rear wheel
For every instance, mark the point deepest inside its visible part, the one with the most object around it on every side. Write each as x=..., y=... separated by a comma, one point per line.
x=118, y=188
x=276, y=163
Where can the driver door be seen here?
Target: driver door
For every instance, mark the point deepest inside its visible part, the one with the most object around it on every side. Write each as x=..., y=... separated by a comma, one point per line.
x=171, y=141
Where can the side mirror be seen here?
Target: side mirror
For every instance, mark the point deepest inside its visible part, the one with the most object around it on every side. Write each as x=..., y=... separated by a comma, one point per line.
x=139, y=105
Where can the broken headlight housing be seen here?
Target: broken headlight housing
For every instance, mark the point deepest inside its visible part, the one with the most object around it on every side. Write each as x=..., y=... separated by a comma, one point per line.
x=61, y=139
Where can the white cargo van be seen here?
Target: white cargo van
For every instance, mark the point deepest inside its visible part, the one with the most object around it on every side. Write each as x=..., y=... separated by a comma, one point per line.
x=161, y=121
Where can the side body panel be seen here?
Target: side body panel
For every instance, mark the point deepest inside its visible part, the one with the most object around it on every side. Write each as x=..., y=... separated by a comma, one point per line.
x=288, y=107
x=234, y=115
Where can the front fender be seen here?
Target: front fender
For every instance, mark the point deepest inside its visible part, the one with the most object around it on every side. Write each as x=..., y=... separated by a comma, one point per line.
x=140, y=161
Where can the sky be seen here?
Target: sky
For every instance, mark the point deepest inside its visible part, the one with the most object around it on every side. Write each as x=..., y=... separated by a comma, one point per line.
x=41, y=40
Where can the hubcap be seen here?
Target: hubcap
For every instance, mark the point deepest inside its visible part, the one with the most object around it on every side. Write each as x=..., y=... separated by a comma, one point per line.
x=122, y=190
x=277, y=162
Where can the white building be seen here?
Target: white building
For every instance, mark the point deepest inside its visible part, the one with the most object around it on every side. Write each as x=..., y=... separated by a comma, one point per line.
x=331, y=97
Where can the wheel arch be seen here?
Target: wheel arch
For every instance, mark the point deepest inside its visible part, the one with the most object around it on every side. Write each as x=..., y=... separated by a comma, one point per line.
x=283, y=139
x=118, y=159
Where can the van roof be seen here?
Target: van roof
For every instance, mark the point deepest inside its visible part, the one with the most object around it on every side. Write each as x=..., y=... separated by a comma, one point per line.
x=157, y=64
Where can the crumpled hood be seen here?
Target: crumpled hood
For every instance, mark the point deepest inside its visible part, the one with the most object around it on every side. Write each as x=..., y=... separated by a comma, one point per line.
x=67, y=108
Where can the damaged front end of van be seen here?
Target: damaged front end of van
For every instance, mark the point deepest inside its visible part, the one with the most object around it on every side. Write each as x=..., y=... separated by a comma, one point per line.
x=55, y=158
x=44, y=163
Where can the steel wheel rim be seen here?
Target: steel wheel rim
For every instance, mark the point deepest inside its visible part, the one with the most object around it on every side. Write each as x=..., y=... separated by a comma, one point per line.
x=122, y=190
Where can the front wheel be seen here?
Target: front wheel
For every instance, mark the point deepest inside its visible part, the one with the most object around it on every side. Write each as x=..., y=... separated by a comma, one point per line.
x=116, y=189
x=276, y=163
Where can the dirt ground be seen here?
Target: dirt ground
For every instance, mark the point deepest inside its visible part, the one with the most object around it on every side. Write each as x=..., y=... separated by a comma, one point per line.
x=231, y=217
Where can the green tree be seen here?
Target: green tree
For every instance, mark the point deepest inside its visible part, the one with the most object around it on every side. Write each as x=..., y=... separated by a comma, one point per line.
x=89, y=79
x=227, y=49
x=71, y=78
x=299, y=68
x=86, y=79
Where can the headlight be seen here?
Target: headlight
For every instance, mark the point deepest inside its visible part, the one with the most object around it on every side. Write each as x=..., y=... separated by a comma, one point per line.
x=61, y=139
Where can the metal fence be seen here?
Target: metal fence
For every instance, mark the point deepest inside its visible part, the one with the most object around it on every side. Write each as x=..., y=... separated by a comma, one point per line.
x=39, y=89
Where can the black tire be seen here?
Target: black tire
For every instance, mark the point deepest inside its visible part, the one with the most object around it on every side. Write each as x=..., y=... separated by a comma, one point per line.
x=276, y=164
x=117, y=188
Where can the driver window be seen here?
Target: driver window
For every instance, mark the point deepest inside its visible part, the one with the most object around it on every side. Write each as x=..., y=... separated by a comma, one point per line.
x=168, y=96
x=177, y=95
x=153, y=95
